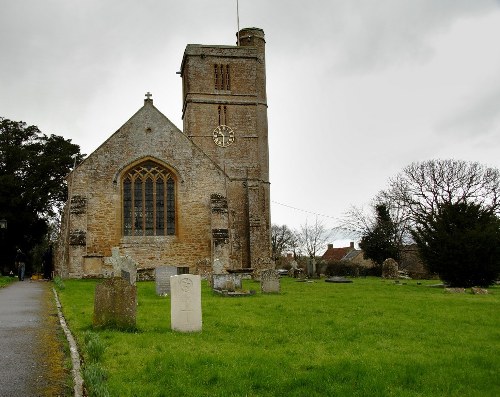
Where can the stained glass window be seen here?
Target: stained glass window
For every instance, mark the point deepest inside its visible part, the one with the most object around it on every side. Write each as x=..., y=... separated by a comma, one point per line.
x=148, y=208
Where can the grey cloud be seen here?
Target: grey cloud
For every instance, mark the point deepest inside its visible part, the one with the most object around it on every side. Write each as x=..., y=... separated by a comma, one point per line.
x=376, y=35
x=478, y=115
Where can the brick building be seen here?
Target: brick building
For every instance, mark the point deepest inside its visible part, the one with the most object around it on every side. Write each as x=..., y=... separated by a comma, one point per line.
x=182, y=198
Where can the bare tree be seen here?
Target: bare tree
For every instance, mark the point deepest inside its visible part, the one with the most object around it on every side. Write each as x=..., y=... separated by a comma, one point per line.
x=360, y=221
x=312, y=238
x=357, y=221
x=422, y=187
x=282, y=239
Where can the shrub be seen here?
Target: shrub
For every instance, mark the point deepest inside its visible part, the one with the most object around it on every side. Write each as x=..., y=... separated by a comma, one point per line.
x=349, y=269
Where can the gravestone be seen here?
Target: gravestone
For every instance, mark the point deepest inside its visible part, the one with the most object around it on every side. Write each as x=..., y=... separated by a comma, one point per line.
x=218, y=267
x=479, y=291
x=115, y=303
x=227, y=282
x=122, y=263
x=390, y=269
x=185, y=303
x=270, y=281
x=455, y=290
x=338, y=280
x=162, y=279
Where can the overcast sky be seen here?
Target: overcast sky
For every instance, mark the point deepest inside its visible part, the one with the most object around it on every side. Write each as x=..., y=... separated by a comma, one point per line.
x=357, y=89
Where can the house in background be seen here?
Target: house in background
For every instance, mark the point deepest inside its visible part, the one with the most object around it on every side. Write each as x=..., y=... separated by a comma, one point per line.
x=336, y=254
x=410, y=260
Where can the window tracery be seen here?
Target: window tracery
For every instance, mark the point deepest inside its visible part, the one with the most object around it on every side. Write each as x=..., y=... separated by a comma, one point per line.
x=148, y=201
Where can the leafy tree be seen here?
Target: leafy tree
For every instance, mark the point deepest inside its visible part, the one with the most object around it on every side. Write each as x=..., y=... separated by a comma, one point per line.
x=33, y=168
x=461, y=242
x=380, y=242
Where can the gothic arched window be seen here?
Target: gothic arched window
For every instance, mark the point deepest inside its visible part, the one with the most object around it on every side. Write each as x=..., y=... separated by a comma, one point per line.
x=148, y=201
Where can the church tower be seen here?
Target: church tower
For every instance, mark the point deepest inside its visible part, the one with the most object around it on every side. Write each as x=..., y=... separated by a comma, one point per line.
x=225, y=114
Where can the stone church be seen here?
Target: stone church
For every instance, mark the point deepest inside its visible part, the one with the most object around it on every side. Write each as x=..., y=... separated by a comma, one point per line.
x=195, y=198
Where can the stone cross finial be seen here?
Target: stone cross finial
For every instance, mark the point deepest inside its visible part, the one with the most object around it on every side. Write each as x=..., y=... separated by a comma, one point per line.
x=148, y=97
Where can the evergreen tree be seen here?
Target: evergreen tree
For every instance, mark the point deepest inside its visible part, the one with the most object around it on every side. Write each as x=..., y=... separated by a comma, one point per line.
x=461, y=243
x=380, y=242
x=33, y=168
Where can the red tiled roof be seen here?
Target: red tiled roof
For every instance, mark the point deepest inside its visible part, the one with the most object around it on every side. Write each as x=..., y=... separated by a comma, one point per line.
x=335, y=254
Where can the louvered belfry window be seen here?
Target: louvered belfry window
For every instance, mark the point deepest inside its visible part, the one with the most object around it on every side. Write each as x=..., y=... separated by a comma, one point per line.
x=222, y=77
x=148, y=201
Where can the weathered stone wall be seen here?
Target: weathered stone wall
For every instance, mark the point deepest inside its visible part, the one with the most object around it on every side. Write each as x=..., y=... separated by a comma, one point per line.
x=97, y=226
x=240, y=235
x=246, y=160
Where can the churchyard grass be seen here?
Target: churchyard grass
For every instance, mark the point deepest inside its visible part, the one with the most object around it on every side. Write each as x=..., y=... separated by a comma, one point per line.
x=5, y=280
x=369, y=338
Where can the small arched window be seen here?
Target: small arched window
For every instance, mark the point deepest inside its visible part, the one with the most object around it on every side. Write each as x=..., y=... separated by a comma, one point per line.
x=148, y=201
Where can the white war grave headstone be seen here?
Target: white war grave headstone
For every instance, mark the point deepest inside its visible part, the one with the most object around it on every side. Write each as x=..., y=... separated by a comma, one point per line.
x=185, y=303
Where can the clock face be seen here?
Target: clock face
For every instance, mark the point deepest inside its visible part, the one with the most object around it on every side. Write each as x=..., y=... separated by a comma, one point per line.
x=223, y=136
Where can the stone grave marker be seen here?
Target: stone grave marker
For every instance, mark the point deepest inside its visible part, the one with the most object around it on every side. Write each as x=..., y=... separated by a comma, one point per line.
x=122, y=264
x=455, y=290
x=162, y=279
x=338, y=280
x=270, y=281
x=228, y=282
x=218, y=267
x=115, y=303
x=185, y=303
x=390, y=269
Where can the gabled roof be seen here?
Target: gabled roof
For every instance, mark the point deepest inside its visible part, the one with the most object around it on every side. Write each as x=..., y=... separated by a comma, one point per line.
x=336, y=254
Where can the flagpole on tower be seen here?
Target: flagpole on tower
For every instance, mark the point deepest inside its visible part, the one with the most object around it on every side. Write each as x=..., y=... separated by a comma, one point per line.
x=238, y=20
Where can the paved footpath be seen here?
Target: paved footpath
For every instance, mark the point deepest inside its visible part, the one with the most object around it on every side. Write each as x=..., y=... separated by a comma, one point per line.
x=31, y=353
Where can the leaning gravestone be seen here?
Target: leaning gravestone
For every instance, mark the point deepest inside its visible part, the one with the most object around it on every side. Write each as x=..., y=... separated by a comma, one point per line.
x=269, y=281
x=115, y=304
x=185, y=303
x=162, y=279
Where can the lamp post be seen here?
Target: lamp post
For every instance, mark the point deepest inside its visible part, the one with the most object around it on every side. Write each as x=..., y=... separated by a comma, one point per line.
x=3, y=223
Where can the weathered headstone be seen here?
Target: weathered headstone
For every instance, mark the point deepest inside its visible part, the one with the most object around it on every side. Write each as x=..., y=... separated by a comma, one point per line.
x=218, y=267
x=162, y=279
x=338, y=280
x=270, y=281
x=390, y=269
x=122, y=263
x=457, y=290
x=115, y=304
x=479, y=291
x=228, y=282
x=185, y=303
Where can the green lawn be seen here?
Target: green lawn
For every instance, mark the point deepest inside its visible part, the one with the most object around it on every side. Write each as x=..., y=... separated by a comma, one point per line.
x=5, y=280
x=369, y=338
